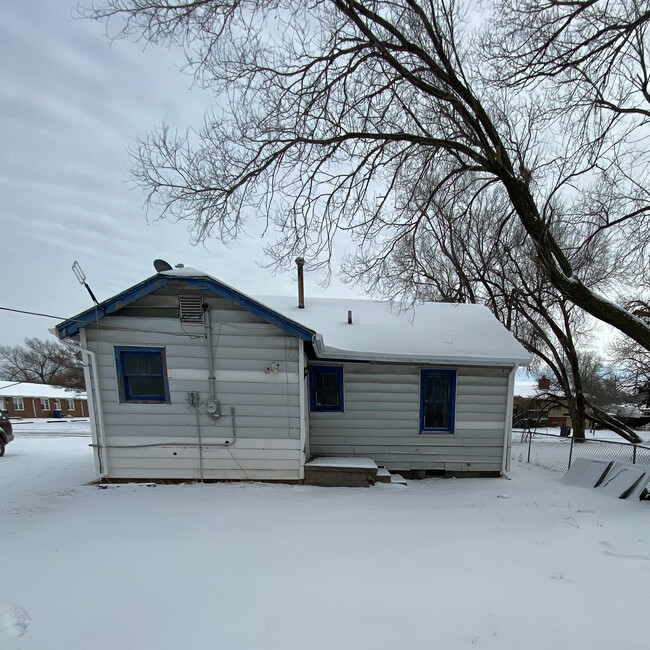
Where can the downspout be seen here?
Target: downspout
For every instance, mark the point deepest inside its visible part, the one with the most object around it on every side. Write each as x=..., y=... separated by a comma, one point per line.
x=91, y=376
x=211, y=382
x=507, y=434
x=208, y=335
x=301, y=392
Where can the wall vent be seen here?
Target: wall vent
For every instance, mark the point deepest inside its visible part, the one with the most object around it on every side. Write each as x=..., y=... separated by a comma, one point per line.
x=191, y=309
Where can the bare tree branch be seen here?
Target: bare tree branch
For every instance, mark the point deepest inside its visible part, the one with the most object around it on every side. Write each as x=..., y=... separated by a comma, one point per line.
x=335, y=117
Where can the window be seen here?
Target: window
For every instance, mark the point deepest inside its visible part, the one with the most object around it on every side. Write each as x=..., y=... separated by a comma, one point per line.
x=57, y=404
x=70, y=404
x=326, y=388
x=142, y=374
x=19, y=404
x=437, y=401
x=45, y=403
x=3, y=406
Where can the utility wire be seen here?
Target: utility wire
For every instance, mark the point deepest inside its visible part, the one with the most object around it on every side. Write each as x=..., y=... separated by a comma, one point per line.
x=35, y=313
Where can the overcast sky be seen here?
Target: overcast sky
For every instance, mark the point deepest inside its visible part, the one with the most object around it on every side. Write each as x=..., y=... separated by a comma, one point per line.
x=71, y=104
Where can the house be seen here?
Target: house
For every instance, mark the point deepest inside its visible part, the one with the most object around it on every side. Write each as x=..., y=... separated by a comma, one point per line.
x=26, y=400
x=534, y=405
x=189, y=378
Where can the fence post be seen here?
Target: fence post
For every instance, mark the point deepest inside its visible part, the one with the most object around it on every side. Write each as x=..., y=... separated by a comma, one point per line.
x=634, y=454
x=570, y=453
x=530, y=440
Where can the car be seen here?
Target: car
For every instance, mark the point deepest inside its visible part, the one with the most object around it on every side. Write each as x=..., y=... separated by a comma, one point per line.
x=6, y=432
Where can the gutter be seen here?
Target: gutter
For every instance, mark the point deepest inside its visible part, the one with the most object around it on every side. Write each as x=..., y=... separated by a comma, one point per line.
x=507, y=433
x=332, y=354
x=94, y=399
x=303, y=406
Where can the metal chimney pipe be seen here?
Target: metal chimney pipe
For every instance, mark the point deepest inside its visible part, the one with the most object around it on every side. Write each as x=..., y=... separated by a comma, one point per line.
x=300, y=262
x=349, y=317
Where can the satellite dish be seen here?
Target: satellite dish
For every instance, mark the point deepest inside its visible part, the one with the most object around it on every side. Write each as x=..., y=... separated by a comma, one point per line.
x=161, y=265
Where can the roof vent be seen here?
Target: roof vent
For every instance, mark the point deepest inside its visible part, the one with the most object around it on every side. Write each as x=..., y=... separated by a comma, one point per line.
x=300, y=262
x=191, y=309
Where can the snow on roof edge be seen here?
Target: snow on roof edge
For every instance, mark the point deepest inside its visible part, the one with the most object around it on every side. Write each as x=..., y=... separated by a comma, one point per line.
x=509, y=353
x=351, y=355
x=29, y=389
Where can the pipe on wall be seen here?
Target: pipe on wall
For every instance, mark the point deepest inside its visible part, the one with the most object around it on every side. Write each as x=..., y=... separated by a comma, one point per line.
x=508, y=423
x=91, y=376
x=303, y=408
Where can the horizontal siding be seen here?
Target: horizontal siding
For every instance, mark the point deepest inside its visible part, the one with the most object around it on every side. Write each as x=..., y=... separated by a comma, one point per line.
x=209, y=453
x=209, y=464
x=208, y=475
x=275, y=415
x=132, y=441
x=246, y=459
x=382, y=419
x=266, y=405
x=272, y=396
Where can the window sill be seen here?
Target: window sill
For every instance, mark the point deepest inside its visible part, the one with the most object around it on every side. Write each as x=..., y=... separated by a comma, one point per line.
x=437, y=433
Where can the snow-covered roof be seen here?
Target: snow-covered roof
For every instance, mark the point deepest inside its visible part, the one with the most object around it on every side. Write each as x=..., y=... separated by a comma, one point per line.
x=425, y=333
x=24, y=389
x=437, y=332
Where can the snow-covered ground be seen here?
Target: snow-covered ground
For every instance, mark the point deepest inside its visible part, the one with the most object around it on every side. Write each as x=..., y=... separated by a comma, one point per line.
x=599, y=434
x=549, y=450
x=55, y=427
x=441, y=563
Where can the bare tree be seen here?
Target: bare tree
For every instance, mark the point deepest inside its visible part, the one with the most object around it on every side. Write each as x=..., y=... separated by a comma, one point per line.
x=336, y=116
x=631, y=359
x=42, y=362
x=602, y=381
x=470, y=253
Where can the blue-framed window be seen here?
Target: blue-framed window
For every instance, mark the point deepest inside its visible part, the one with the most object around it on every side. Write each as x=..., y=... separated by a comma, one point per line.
x=437, y=401
x=326, y=388
x=142, y=374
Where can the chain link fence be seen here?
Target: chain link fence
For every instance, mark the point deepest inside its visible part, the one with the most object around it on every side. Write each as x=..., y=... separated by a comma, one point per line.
x=557, y=453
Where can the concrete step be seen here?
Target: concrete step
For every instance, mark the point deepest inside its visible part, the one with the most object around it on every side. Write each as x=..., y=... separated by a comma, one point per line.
x=397, y=479
x=337, y=471
x=383, y=475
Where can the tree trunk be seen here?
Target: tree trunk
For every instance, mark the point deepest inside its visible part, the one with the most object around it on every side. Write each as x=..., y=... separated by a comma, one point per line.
x=558, y=269
x=617, y=427
x=578, y=417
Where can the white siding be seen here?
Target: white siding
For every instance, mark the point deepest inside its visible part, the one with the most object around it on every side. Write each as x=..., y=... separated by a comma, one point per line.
x=382, y=418
x=267, y=413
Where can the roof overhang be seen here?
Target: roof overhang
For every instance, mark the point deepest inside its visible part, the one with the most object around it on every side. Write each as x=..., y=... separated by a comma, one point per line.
x=71, y=327
x=332, y=354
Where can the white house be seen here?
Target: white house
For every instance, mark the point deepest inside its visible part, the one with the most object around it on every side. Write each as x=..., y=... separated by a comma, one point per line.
x=189, y=378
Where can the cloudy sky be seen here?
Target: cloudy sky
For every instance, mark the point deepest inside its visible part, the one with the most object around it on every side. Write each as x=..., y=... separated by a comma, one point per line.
x=71, y=104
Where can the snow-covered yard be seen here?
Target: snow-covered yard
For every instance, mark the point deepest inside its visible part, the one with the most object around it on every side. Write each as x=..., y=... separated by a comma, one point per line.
x=547, y=449
x=442, y=563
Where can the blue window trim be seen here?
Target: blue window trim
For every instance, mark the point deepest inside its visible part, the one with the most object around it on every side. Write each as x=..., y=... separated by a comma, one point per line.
x=432, y=372
x=121, y=384
x=315, y=370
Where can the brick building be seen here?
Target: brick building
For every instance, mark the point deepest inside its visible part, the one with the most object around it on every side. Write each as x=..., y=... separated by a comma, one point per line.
x=24, y=400
x=534, y=405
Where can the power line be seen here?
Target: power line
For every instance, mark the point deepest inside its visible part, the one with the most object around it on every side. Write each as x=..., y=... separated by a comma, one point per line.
x=35, y=313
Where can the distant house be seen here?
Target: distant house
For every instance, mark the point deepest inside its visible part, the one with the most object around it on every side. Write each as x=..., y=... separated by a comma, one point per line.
x=26, y=400
x=192, y=379
x=534, y=405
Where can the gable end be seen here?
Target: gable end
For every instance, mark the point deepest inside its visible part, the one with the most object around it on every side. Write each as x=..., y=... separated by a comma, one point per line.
x=72, y=326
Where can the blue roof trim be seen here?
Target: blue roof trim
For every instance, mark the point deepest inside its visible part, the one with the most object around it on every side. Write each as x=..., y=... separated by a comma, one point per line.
x=72, y=326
